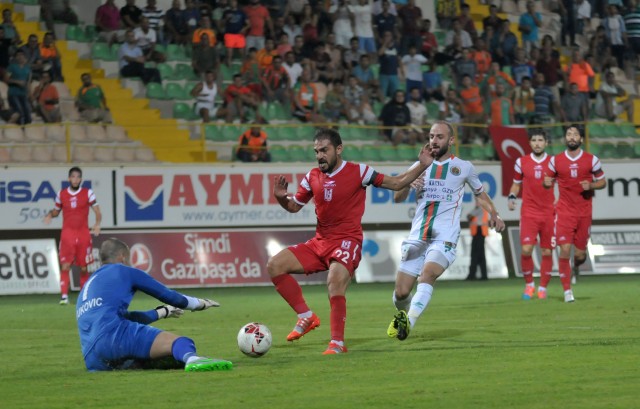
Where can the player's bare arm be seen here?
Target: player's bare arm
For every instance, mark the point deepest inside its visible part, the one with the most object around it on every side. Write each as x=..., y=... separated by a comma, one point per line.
x=548, y=182
x=403, y=180
x=496, y=221
x=595, y=185
x=50, y=215
x=513, y=195
x=401, y=195
x=282, y=195
x=95, y=230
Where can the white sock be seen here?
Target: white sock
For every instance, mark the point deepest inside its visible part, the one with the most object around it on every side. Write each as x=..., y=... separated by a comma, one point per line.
x=191, y=359
x=531, y=284
x=402, y=305
x=419, y=302
x=307, y=314
x=541, y=288
x=341, y=343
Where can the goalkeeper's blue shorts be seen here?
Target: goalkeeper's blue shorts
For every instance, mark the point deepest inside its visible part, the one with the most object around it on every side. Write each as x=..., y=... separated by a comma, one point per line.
x=127, y=340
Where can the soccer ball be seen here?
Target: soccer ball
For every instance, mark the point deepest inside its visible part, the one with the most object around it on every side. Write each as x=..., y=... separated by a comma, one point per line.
x=254, y=339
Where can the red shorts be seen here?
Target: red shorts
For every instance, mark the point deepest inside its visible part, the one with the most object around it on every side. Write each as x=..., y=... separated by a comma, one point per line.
x=235, y=41
x=76, y=248
x=317, y=254
x=573, y=229
x=532, y=227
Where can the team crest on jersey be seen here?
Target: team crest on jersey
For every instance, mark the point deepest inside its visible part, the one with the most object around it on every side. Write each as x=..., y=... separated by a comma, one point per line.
x=346, y=244
x=74, y=203
x=455, y=171
x=328, y=190
x=573, y=168
x=537, y=171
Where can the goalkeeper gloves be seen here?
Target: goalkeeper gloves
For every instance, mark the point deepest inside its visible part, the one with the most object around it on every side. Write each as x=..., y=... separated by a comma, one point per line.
x=206, y=303
x=168, y=311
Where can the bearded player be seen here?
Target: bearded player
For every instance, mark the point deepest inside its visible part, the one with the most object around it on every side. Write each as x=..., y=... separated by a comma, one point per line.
x=431, y=246
x=75, y=240
x=536, y=212
x=578, y=174
x=338, y=189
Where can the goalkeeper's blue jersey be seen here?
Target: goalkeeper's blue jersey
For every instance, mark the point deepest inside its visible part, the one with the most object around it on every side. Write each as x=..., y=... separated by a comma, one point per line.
x=104, y=300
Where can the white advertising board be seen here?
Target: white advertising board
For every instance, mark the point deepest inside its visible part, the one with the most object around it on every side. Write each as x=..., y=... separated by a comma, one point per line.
x=29, y=267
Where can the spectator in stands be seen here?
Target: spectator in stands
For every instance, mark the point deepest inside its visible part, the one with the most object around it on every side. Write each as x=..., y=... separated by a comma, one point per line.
x=275, y=83
x=501, y=108
x=450, y=109
x=8, y=115
x=305, y=99
x=429, y=41
x=236, y=27
x=91, y=101
x=10, y=30
x=482, y=58
x=367, y=78
x=583, y=16
x=309, y=24
x=503, y=45
x=335, y=106
x=284, y=46
x=192, y=15
x=632, y=24
x=175, y=24
x=432, y=86
x=51, y=11
x=607, y=105
x=292, y=29
x=239, y=99
x=580, y=72
x=520, y=68
x=335, y=54
x=205, y=93
x=32, y=54
x=323, y=67
x=359, y=109
x=567, y=13
x=252, y=146
x=147, y=38
x=363, y=27
x=131, y=14
x=457, y=32
x=204, y=28
x=218, y=16
x=412, y=63
x=472, y=108
x=51, y=57
x=156, y=19
x=545, y=100
x=204, y=57
x=266, y=55
x=601, y=46
x=352, y=55
x=46, y=99
x=492, y=20
x=278, y=27
x=250, y=71
x=528, y=26
x=549, y=66
x=389, y=66
x=108, y=22
x=494, y=77
x=396, y=117
x=466, y=22
x=574, y=106
x=616, y=33
x=300, y=52
x=295, y=8
x=446, y=12
x=131, y=60
x=465, y=65
x=385, y=21
x=524, y=101
x=258, y=16
x=418, y=116
x=410, y=17
x=342, y=22
x=18, y=77
x=5, y=51
x=294, y=69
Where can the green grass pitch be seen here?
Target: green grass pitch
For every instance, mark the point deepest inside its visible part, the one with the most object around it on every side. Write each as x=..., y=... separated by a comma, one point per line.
x=477, y=346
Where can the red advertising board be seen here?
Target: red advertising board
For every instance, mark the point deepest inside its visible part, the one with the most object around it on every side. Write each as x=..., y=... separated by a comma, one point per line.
x=210, y=258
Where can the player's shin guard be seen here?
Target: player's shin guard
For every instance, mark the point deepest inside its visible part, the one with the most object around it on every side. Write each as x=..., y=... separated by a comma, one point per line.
x=564, y=267
x=527, y=268
x=338, y=317
x=290, y=290
x=419, y=302
x=545, y=270
x=64, y=282
x=183, y=348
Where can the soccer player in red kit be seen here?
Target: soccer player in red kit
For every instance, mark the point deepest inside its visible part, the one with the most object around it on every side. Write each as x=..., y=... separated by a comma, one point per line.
x=578, y=174
x=338, y=189
x=536, y=214
x=75, y=240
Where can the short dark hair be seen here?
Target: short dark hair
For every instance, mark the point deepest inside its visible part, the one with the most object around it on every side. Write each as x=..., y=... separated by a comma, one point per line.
x=538, y=131
x=327, y=133
x=75, y=169
x=578, y=127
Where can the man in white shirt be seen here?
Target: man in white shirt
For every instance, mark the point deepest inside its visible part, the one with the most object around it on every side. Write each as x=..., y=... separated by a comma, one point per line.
x=583, y=15
x=413, y=68
x=418, y=114
x=465, y=38
x=362, y=16
x=606, y=105
x=292, y=67
x=146, y=39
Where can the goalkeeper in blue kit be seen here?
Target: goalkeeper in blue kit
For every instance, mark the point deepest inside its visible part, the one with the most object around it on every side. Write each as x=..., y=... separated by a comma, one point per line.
x=114, y=338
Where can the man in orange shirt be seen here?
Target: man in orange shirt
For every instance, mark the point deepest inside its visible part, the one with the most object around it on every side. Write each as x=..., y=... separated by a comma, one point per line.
x=266, y=54
x=482, y=58
x=501, y=108
x=205, y=28
x=494, y=77
x=472, y=107
x=579, y=72
x=51, y=57
x=47, y=96
x=305, y=99
x=252, y=146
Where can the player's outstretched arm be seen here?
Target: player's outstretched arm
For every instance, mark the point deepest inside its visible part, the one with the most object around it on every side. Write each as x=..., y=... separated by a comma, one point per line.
x=158, y=313
x=50, y=215
x=513, y=196
x=404, y=179
x=280, y=186
x=496, y=221
x=401, y=195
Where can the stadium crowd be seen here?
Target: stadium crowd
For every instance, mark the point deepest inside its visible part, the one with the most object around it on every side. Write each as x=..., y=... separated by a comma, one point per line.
x=359, y=61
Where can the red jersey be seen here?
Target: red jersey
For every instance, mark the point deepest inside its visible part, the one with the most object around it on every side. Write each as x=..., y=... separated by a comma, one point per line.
x=339, y=198
x=536, y=199
x=75, y=207
x=569, y=173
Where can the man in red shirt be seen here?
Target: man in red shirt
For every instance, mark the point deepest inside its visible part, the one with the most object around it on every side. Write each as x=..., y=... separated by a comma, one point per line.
x=75, y=240
x=536, y=212
x=578, y=174
x=237, y=97
x=257, y=15
x=338, y=189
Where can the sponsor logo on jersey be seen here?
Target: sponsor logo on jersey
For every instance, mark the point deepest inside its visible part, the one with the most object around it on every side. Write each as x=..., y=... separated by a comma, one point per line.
x=143, y=197
x=346, y=244
x=328, y=194
x=455, y=171
x=141, y=257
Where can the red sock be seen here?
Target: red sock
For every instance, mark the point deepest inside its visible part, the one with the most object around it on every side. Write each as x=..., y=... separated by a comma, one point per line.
x=338, y=317
x=290, y=290
x=545, y=270
x=84, y=277
x=565, y=273
x=527, y=268
x=64, y=282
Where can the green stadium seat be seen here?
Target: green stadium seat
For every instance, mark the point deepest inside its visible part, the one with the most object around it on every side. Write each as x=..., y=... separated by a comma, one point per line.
x=406, y=152
x=489, y=151
x=636, y=149
x=389, y=154
x=477, y=152
x=376, y=70
x=595, y=130
x=612, y=131
x=90, y=33
x=433, y=109
x=628, y=131
x=365, y=134
x=278, y=153
x=232, y=132
x=370, y=153
x=182, y=111
x=352, y=153
x=306, y=133
x=608, y=151
x=166, y=71
x=101, y=51
x=184, y=72
x=155, y=91
x=72, y=33
x=464, y=152
x=176, y=53
x=176, y=92
x=625, y=150
x=213, y=133
x=270, y=112
x=288, y=133
x=297, y=153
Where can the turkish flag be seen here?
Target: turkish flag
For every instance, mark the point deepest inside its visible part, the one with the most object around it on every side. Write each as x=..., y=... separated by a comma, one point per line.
x=510, y=143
